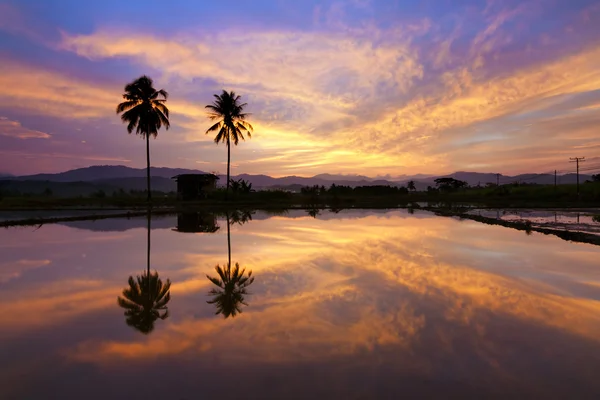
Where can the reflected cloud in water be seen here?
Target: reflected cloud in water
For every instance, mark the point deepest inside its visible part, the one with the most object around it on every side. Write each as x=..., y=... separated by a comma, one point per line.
x=368, y=303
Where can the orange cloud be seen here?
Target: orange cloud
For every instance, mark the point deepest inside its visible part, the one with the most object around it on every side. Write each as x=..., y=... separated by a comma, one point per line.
x=338, y=90
x=16, y=130
x=13, y=270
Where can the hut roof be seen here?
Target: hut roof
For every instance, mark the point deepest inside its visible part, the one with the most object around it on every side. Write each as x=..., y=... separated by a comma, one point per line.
x=198, y=177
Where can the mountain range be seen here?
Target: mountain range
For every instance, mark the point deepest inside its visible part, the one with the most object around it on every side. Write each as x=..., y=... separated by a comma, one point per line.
x=83, y=181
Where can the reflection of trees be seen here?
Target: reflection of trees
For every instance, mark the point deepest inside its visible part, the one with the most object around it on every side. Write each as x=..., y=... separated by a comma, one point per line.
x=232, y=287
x=146, y=298
x=239, y=217
x=231, y=284
x=313, y=212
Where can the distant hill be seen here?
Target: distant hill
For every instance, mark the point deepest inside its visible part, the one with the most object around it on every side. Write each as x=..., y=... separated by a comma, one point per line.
x=124, y=224
x=111, y=178
x=103, y=172
x=337, y=178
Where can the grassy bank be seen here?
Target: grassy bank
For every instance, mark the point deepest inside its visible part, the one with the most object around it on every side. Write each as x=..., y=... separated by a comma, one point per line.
x=526, y=226
x=509, y=196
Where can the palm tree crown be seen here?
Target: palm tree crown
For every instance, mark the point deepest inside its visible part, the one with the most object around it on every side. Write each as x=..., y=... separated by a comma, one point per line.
x=145, y=301
x=142, y=109
x=232, y=284
x=228, y=112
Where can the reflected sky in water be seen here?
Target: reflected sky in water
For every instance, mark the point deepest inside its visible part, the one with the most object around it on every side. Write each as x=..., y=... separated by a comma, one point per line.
x=353, y=305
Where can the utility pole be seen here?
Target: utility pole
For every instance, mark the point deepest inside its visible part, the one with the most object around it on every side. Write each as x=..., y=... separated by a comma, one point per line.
x=577, y=160
x=497, y=179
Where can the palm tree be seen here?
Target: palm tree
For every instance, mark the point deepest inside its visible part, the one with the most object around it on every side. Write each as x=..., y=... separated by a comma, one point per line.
x=146, y=298
x=232, y=287
x=231, y=124
x=145, y=112
x=411, y=186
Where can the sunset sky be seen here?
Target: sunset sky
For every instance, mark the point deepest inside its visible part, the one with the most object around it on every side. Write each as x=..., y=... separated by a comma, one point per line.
x=371, y=87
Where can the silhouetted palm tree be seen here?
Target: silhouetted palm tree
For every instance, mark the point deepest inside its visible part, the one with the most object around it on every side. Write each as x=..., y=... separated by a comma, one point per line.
x=232, y=287
x=228, y=111
x=411, y=186
x=146, y=298
x=145, y=111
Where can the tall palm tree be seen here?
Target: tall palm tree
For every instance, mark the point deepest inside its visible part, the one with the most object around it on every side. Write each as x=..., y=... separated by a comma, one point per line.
x=146, y=298
x=411, y=186
x=228, y=111
x=145, y=111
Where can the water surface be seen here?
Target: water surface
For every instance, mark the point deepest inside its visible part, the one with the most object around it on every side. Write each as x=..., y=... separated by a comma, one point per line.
x=354, y=305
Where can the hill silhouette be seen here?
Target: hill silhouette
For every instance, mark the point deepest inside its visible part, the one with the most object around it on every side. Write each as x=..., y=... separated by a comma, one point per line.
x=110, y=178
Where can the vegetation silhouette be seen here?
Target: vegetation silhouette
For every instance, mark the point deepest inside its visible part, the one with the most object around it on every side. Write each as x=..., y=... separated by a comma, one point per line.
x=240, y=186
x=411, y=186
x=228, y=111
x=232, y=283
x=146, y=298
x=145, y=111
x=450, y=184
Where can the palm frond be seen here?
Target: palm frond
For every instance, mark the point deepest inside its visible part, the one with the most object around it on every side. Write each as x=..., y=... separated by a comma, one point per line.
x=126, y=105
x=214, y=127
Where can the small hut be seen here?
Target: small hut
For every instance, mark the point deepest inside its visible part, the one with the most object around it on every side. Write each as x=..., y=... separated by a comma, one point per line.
x=195, y=186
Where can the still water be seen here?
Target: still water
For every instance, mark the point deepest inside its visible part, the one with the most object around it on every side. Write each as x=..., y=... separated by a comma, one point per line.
x=354, y=305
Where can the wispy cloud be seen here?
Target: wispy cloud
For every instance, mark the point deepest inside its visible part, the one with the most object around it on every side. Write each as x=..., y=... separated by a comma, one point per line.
x=414, y=97
x=16, y=130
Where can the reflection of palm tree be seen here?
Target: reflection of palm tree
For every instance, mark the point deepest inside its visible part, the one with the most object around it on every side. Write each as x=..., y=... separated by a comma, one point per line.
x=232, y=284
x=145, y=301
x=146, y=298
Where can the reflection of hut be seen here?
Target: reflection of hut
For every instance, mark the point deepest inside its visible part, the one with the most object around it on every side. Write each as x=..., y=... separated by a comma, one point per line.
x=195, y=186
x=196, y=222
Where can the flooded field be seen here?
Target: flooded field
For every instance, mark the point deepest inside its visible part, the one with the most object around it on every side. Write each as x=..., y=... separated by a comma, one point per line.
x=358, y=304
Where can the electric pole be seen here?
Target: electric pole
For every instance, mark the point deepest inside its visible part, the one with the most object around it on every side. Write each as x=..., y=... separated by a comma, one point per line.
x=577, y=160
x=497, y=179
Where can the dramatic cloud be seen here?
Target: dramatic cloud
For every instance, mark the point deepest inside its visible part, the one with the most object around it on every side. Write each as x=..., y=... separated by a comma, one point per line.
x=16, y=130
x=477, y=87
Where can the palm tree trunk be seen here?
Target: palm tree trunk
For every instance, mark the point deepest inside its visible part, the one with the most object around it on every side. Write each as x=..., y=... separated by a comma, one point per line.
x=148, y=167
x=228, y=164
x=228, y=241
x=148, y=247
